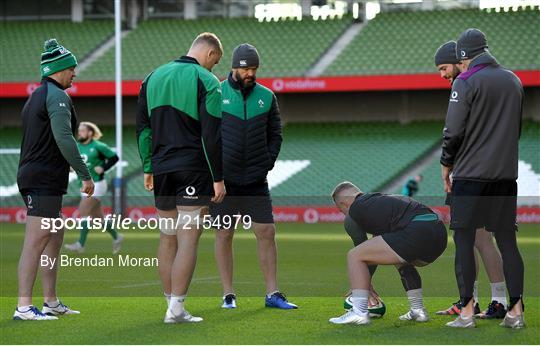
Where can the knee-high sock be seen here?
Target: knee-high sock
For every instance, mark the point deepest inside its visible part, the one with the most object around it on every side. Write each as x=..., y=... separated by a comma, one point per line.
x=84, y=232
x=512, y=264
x=111, y=231
x=464, y=263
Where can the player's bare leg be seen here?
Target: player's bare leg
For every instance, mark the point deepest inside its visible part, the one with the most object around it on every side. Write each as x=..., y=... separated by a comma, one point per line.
x=494, y=268
x=267, y=250
x=184, y=265
x=168, y=247
x=35, y=241
x=49, y=275
x=372, y=251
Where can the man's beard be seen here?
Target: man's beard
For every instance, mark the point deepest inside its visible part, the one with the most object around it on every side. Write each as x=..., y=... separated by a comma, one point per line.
x=243, y=81
x=82, y=139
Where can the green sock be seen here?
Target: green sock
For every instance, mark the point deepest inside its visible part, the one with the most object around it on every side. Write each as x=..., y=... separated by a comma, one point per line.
x=84, y=233
x=112, y=231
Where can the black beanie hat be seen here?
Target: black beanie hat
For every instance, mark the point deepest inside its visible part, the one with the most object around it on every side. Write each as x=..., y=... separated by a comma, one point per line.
x=471, y=42
x=446, y=54
x=245, y=55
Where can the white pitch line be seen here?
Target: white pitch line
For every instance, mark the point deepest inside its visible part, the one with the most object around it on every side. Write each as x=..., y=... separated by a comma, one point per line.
x=155, y=283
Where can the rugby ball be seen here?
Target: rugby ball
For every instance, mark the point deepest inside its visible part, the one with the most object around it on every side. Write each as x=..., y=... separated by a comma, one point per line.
x=377, y=309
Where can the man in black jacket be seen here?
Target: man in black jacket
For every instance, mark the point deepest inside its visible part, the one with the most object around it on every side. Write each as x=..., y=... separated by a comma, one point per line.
x=447, y=62
x=251, y=134
x=480, y=148
x=48, y=149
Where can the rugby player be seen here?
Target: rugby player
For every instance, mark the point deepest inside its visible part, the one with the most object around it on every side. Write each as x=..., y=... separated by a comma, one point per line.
x=447, y=63
x=405, y=234
x=179, y=138
x=480, y=150
x=99, y=158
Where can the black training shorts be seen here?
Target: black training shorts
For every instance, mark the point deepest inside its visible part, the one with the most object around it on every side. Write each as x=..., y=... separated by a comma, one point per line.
x=251, y=200
x=43, y=203
x=188, y=188
x=420, y=242
x=477, y=204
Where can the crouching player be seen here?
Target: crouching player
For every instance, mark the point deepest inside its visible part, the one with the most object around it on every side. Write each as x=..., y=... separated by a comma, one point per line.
x=405, y=233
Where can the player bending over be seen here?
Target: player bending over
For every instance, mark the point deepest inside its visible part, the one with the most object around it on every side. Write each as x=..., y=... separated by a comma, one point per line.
x=405, y=233
x=99, y=158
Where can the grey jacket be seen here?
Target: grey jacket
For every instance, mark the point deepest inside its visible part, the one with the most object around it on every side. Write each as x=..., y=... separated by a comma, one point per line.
x=483, y=123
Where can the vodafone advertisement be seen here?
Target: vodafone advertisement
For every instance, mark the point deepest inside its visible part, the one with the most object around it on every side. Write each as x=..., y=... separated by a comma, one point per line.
x=419, y=81
x=300, y=214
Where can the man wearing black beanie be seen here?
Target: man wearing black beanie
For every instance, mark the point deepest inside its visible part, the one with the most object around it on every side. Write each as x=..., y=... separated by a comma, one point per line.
x=480, y=149
x=251, y=132
x=447, y=63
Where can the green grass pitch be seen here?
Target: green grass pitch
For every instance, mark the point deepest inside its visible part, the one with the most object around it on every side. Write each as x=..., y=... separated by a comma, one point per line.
x=124, y=305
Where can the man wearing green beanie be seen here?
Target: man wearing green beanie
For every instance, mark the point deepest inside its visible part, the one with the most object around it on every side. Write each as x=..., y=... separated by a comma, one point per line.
x=48, y=149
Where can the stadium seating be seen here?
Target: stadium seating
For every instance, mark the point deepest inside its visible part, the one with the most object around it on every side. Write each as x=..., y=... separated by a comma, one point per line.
x=364, y=153
x=529, y=149
x=405, y=42
x=22, y=43
x=287, y=48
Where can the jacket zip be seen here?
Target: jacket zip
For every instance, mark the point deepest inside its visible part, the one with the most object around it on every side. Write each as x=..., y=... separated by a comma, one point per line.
x=245, y=138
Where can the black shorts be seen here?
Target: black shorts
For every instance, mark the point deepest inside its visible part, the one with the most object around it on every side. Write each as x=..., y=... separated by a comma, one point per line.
x=420, y=242
x=187, y=188
x=43, y=203
x=251, y=200
x=477, y=204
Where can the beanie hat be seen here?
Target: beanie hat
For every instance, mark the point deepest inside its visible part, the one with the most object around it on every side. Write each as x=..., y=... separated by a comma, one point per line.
x=55, y=58
x=446, y=54
x=245, y=55
x=471, y=42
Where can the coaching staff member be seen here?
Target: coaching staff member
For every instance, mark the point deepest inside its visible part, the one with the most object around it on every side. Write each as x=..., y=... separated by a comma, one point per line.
x=179, y=138
x=480, y=147
x=251, y=142
x=446, y=63
x=48, y=149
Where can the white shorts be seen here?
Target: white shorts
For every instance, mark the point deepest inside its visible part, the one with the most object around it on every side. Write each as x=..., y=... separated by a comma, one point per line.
x=100, y=189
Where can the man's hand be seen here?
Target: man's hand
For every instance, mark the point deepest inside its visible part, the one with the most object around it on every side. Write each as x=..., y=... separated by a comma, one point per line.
x=447, y=182
x=148, y=181
x=219, y=192
x=99, y=170
x=88, y=187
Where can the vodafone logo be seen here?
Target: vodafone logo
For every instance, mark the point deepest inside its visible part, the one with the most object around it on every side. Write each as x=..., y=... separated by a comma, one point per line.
x=136, y=214
x=278, y=84
x=20, y=216
x=463, y=53
x=454, y=97
x=190, y=190
x=311, y=216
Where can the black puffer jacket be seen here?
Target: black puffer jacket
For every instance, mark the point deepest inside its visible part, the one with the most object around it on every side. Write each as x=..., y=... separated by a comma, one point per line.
x=250, y=130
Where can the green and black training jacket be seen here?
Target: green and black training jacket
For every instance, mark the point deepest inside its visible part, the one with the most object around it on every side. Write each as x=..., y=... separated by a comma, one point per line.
x=179, y=120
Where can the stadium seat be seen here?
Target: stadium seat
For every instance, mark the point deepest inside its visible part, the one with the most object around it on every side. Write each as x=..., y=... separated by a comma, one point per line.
x=405, y=42
x=20, y=62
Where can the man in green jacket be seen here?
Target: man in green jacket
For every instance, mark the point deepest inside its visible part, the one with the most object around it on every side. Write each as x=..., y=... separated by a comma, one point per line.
x=179, y=138
x=48, y=149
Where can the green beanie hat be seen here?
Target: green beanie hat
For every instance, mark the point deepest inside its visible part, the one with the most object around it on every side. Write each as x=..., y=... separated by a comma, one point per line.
x=55, y=58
